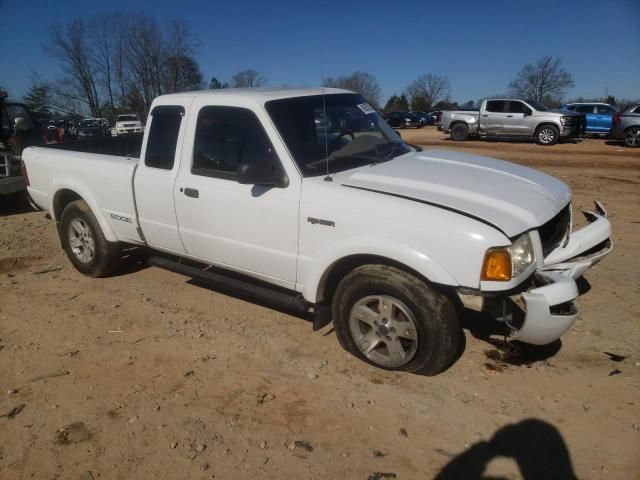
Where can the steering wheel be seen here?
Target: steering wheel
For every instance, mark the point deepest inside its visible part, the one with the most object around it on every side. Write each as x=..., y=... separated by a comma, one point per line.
x=336, y=141
x=217, y=161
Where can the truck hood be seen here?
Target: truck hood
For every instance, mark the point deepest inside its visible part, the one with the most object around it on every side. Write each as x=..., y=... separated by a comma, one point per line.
x=510, y=197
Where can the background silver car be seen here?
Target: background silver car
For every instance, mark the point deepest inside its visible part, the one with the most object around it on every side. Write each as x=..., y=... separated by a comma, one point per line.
x=626, y=125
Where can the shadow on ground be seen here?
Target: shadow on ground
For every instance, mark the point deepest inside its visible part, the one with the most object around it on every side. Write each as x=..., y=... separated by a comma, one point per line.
x=14, y=204
x=536, y=446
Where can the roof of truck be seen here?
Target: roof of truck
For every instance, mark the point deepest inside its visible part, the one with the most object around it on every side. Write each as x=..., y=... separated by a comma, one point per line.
x=261, y=94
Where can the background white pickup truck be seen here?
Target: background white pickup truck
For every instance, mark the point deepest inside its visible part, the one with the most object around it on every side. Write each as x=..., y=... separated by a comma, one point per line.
x=318, y=203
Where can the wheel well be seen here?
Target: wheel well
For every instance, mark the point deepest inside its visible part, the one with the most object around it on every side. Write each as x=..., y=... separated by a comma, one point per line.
x=550, y=124
x=63, y=198
x=331, y=279
x=458, y=122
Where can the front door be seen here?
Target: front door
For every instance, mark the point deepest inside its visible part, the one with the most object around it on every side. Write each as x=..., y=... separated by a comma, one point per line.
x=249, y=228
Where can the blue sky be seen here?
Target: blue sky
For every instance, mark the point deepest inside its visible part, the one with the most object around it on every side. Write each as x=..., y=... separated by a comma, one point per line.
x=479, y=45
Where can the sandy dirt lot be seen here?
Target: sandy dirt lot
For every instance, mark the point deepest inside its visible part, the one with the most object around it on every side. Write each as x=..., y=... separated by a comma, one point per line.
x=146, y=375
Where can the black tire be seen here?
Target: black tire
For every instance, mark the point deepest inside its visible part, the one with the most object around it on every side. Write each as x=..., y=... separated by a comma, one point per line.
x=434, y=318
x=547, y=135
x=460, y=132
x=632, y=137
x=105, y=257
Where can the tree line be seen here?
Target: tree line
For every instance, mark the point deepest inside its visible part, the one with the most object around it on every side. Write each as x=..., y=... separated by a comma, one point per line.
x=118, y=63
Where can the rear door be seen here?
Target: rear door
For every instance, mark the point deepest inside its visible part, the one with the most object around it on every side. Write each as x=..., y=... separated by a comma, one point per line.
x=589, y=112
x=492, y=118
x=155, y=178
x=248, y=228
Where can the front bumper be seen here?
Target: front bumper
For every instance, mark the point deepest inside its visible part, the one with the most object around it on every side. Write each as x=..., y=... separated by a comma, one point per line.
x=546, y=310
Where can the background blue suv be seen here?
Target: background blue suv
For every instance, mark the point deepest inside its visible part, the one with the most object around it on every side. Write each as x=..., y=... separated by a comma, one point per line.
x=599, y=115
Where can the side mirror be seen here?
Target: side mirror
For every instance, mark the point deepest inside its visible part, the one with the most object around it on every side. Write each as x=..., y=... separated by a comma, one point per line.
x=262, y=173
x=527, y=112
x=20, y=124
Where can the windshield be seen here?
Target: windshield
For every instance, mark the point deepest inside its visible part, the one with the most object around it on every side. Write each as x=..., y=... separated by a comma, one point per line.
x=537, y=105
x=334, y=133
x=128, y=118
x=90, y=123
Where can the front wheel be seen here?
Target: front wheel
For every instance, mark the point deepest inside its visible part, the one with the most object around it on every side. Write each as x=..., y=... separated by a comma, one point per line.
x=84, y=242
x=547, y=135
x=395, y=321
x=632, y=137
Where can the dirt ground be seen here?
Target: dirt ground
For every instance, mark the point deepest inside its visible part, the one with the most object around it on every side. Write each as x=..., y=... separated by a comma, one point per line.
x=146, y=375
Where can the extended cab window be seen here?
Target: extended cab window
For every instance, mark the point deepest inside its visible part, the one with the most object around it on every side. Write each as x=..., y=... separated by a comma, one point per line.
x=496, y=106
x=227, y=137
x=163, y=136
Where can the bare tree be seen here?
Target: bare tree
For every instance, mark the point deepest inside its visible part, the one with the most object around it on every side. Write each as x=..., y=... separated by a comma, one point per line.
x=360, y=82
x=544, y=80
x=70, y=45
x=248, y=78
x=427, y=90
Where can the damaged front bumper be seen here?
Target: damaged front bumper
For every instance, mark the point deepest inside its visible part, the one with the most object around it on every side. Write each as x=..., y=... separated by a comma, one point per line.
x=546, y=310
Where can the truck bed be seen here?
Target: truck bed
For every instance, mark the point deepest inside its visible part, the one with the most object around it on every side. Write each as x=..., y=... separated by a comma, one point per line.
x=104, y=181
x=121, y=146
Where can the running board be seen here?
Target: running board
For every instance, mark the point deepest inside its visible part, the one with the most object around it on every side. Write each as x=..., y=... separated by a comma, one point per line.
x=270, y=296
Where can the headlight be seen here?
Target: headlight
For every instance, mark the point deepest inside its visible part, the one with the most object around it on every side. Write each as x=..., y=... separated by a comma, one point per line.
x=521, y=251
x=501, y=264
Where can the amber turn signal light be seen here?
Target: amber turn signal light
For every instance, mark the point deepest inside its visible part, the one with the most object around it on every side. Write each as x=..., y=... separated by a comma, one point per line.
x=496, y=266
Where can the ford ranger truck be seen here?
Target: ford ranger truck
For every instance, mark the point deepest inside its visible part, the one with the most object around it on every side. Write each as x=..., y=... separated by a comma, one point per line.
x=513, y=118
x=314, y=203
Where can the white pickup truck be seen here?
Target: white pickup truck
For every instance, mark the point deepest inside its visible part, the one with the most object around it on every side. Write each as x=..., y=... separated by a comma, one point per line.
x=318, y=204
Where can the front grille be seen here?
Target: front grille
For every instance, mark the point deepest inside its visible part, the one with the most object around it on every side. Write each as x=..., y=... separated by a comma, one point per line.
x=555, y=230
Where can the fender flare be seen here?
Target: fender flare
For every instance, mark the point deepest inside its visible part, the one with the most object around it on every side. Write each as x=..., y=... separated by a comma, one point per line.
x=320, y=267
x=82, y=192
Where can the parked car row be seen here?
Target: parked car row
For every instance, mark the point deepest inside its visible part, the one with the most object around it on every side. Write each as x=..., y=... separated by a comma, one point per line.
x=511, y=117
x=411, y=119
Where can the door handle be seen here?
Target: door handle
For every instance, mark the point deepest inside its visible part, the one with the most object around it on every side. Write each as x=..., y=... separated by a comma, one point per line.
x=191, y=192
x=485, y=115
x=509, y=116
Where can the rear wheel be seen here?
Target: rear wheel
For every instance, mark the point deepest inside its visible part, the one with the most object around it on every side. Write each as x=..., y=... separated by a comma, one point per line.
x=460, y=132
x=547, y=135
x=84, y=242
x=632, y=137
x=395, y=321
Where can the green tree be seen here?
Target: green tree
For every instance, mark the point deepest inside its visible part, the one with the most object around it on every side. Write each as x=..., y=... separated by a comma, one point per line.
x=419, y=104
x=39, y=97
x=396, y=104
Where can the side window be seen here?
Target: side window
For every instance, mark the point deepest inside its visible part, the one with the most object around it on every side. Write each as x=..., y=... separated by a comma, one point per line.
x=584, y=108
x=496, y=106
x=227, y=137
x=517, y=107
x=163, y=136
x=604, y=110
